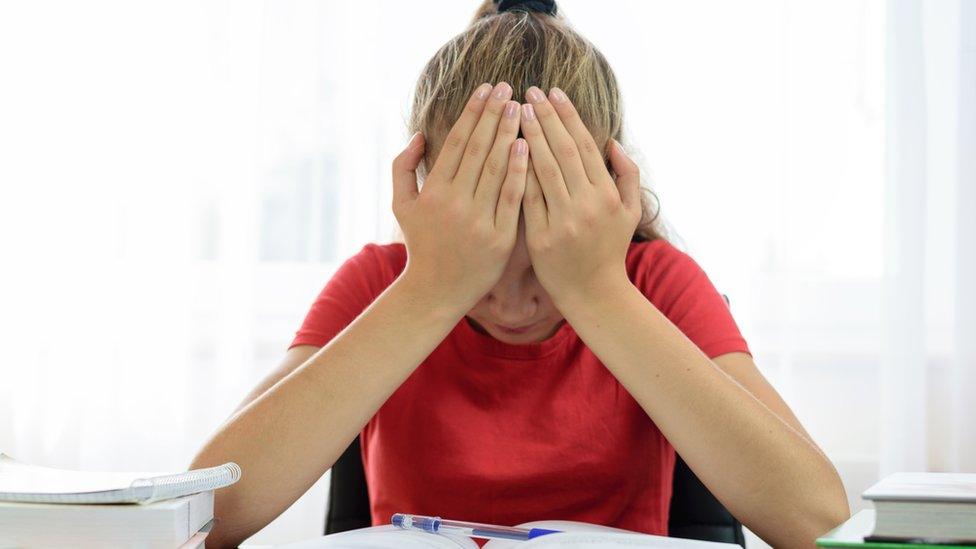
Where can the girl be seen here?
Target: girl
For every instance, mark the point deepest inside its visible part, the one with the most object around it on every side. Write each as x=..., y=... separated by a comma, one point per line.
x=535, y=349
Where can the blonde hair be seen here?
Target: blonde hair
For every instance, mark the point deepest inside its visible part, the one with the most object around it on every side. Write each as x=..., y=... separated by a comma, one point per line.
x=524, y=49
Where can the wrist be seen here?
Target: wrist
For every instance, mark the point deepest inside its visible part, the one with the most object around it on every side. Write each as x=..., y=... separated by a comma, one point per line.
x=429, y=296
x=592, y=290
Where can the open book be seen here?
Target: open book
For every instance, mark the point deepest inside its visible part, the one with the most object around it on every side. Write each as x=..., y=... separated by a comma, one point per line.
x=21, y=482
x=574, y=535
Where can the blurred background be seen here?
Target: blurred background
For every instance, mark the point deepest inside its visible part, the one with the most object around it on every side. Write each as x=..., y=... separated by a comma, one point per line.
x=179, y=179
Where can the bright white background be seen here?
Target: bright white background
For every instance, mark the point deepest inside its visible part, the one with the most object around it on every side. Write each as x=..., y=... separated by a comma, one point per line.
x=179, y=179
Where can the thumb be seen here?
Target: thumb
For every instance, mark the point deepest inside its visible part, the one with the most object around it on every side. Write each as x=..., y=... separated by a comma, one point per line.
x=628, y=176
x=405, y=170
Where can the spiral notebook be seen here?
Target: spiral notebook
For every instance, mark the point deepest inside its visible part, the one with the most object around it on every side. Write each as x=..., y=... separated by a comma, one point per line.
x=22, y=482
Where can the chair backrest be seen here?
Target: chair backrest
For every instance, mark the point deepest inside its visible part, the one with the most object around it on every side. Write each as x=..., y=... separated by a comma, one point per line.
x=348, y=505
x=694, y=513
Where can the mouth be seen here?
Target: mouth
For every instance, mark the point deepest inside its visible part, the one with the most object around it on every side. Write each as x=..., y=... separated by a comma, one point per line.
x=515, y=330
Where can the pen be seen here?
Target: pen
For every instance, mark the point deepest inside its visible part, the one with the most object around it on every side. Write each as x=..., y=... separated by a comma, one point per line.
x=437, y=525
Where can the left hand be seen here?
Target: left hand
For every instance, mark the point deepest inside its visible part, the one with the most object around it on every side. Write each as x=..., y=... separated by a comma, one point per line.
x=579, y=220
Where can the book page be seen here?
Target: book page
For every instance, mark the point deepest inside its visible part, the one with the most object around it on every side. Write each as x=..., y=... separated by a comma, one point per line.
x=580, y=535
x=17, y=477
x=384, y=537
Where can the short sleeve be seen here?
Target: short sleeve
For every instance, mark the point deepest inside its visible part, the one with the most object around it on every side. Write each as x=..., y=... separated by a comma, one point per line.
x=680, y=289
x=353, y=287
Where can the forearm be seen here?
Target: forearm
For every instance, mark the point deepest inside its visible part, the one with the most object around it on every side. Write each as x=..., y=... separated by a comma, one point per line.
x=767, y=473
x=285, y=439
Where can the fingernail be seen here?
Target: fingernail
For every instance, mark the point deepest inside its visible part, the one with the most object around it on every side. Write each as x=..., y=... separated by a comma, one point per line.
x=557, y=95
x=521, y=147
x=483, y=91
x=413, y=140
x=528, y=112
x=511, y=108
x=534, y=95
x=503, y=91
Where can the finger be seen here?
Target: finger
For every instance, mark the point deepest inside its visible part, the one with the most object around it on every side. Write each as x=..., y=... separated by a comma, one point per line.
x=482, y=138
x=561, y=143
x=590, y=153
x=534, y=204
x=457, y=139
x=495, y=169
x=628, y=176
x=544, y=165
x=510, y=198
x=405, y=170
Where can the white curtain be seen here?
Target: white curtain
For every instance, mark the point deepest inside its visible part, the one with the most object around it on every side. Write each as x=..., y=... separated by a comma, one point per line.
x=179, y=179
x=930, y=253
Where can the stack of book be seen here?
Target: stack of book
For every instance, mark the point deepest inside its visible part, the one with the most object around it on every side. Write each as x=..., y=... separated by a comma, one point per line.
x=913, y=510
x=45, y=507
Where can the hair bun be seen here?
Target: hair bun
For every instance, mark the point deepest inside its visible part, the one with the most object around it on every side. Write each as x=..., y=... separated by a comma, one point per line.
x=541, y=6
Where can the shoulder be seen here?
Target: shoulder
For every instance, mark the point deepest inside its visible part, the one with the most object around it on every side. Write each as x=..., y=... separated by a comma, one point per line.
x=353, y=286
x=658, y=262
x=680, y=289
x=664, y=273
x=392, y=256
x=379, y=264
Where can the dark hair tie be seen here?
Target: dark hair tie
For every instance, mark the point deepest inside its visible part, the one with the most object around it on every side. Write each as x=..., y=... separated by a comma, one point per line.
x=541, y=6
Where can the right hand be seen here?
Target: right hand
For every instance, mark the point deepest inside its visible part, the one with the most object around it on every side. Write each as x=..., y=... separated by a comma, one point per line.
x=460, y=229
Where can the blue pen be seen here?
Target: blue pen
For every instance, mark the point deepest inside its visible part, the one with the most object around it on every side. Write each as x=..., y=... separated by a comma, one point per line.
x=437, y=525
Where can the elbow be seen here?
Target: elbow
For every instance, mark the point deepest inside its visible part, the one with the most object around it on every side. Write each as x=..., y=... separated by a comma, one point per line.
x=226, y=531
x=811, y=528
x=214, y=540
x=213, y=453
x=825, y=521
x=828, y=506
x=834, y=508
x=831, y=515
x=804, y=531
x=806, y=517
x=230, y=511
x=222, y=542
x=827, y=513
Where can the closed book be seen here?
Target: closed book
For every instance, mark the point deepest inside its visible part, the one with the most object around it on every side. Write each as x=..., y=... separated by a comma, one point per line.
x=852, y=533
x=935, y=508
x=163, y=524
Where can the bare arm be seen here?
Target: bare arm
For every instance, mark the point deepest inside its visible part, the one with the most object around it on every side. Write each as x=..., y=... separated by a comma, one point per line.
x=305, y=420
x=294, y=357
x=744, y=371
x=746, y=446
x=726, y=422
x=459, y=234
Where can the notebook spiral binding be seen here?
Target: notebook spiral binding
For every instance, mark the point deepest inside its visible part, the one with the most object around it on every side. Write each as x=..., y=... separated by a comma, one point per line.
x=148, y=490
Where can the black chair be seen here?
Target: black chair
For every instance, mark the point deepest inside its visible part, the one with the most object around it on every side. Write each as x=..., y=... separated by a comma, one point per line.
x=695, y=513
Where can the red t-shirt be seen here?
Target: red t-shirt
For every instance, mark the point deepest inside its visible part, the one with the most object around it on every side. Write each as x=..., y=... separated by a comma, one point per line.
x=492, y=432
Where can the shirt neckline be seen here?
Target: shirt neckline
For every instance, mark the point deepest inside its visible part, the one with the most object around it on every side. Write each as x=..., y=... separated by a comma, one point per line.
x=471, y=338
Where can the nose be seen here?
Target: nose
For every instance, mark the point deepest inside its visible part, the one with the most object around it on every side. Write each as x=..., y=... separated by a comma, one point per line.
x=512, y=303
